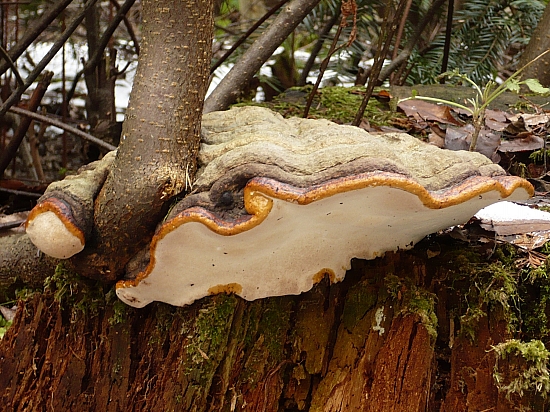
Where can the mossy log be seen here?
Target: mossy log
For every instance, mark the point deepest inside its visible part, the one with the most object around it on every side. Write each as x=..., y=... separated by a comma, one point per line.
x=395, y=335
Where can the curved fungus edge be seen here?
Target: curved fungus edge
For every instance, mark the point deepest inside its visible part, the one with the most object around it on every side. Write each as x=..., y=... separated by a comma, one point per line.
x=63, y=212
x=258, y=205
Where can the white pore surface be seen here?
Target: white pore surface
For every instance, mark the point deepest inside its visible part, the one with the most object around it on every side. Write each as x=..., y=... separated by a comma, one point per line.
x=509, y=212
x=281, y=255
x=49, y=234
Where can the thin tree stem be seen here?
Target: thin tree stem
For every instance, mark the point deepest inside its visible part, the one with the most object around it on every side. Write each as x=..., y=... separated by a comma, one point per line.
x=35, y=30
x=242, y=73
x=16, y=95
x=245, y=36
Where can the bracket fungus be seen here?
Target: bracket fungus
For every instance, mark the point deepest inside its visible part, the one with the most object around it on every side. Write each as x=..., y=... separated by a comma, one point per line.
x=62, y=220
x=278, y=204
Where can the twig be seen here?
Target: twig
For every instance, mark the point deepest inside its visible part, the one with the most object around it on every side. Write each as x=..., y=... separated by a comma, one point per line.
x=401, y=28
x=14, y=224
x=107, y=34
x=242, y=73
x=102, y=44
x=386, y=35
x=348, y=8
x=16, y=95
x=325, y=30
x=129, y=27
x=448, y=34
x=409, y=47
x=63, y=126
x=6, y=56
x=11, y=149
x=20, y=192
x=33, y=31
x=245, y=36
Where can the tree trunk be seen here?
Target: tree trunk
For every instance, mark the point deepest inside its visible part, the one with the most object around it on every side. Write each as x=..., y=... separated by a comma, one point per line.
x=540, y=42
x=160, y=137
x=382, y=340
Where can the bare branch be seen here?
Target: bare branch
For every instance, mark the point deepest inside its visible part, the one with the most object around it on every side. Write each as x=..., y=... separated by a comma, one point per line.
x=16, y=95
x=240, y=75
x=34, y=31
x=63, y=126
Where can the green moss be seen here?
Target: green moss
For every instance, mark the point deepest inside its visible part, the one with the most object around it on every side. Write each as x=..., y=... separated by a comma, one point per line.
x=359, y=300
x=538, y=155
x=414, y=299
x=482, y=286
x=274, y=325
x=535, y=302
x=4, y=326
x=267, y=338
x=211, y=329
x=529, y=369
x=339, y=104
x=80, y=295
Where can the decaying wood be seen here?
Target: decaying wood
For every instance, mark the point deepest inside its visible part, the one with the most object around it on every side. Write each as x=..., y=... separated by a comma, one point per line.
x=368, y=343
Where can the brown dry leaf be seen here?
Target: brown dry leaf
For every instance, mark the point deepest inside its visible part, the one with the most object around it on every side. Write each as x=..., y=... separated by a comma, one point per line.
x=536, y=171
x=402, y=123
x=496, y=115
x=422, y=111
x=460, y=138
x=530, y=119
x=488, y=144
x=496, y=120
x=516, y=127
x=436, y=140
x=438, y=130
x=529, y=143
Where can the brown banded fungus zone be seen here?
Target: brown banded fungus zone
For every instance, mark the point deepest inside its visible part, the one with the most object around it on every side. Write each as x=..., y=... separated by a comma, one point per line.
x=280, y=203
x=63, y=218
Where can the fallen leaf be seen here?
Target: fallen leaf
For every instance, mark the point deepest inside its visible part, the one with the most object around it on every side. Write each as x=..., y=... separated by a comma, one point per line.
x=528, y=143
x=458, y=138
x=421, y=110
x=535, y=119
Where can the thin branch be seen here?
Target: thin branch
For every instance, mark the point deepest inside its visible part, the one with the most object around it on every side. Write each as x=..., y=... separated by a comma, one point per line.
x=129, y=27
x=411, y=44
x=259, y=52
x=448, y=34
x=401, y=28
x=325, y=30
x=20, y=192
x=63, y=126
x=387, y=33
x=245, y=36
x=93, y=61
x=6, y=56
x=16, y=95
x=347, y=8
x=33, y=31
x=11, y=149
x=104, y=41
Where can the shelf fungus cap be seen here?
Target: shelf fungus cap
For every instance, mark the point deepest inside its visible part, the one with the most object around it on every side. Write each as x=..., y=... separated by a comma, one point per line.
x=298, y=200
x=63, y=218
x=52, y=229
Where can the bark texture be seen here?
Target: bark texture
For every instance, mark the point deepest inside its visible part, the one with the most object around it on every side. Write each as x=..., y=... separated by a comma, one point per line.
x=540, y=42
x=378, y=341
x=160, y=137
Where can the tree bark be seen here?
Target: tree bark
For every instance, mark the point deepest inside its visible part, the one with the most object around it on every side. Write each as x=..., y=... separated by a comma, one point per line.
x=378, y=341
x=540, y=42
x=160, y=138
